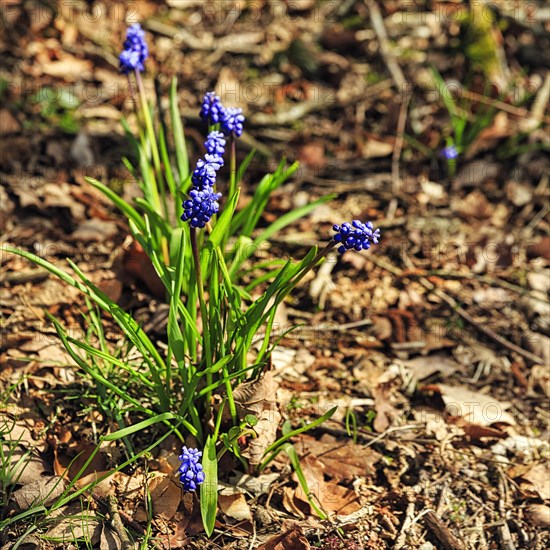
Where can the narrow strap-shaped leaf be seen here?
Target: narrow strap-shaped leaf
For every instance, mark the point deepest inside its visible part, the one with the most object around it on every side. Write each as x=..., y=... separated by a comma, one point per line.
x=179, y=136
x=128, y=210
x=209, y=489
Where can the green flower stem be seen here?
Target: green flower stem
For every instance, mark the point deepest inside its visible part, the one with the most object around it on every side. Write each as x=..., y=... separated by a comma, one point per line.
x=206, y=349
x=225, y=371
x=132, y=95
x=451, y=165
x=232, y=166
x=159, y=200
x=151, y=135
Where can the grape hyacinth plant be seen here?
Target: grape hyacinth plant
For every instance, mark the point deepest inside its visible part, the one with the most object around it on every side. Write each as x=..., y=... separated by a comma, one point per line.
x=202, y=249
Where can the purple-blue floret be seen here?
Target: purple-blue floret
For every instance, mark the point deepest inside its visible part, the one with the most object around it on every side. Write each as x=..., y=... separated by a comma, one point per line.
x=450, y=152
x=191, y=474
x=206, y=170
x=232, y=121
x=212, y=109
x=200, y=207
x=355, y=235
x=215, y=143
x=135, y=50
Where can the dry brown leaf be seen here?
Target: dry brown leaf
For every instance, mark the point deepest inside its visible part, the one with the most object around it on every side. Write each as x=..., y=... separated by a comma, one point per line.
x=489, y=137
x=330, y=496
x=259, y=398
x=292, y=505
x=43, y=491
x=137, y=264
x=95, y=229
x=343, y=461
x=68, y=67
x=64, y=464
x=313, y=155
x=539, y=515
x=25, y=468
x=533, y=478
x=165, y=496
x=8, y=123
x=235, y=506
x=256, y=485
x=291, y=539
x=540, y=249
x=424, y=367
x=382, y=327
x=475, y=206
x=109, y=539
x=476, y=432
x=475, y=407
x=374, y=148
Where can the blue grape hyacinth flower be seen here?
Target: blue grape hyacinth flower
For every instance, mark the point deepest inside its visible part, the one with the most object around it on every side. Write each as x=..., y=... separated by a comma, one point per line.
x=212, y=108
x=191, y=474
x=232, y=121
x=355, y=235
x=450, y=152
x=215, y=143
x=206, y=170
x=135, y=50
x=200, y=207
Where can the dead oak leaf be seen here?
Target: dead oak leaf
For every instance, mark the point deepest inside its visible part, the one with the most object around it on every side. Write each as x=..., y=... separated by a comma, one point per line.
x=165, y=496
x=330, y=496
x=343, y=461
x=235, y=506
x=475, y=407
x=258, y=398
x=534, y=479
x=43, y=491
x=290, y=539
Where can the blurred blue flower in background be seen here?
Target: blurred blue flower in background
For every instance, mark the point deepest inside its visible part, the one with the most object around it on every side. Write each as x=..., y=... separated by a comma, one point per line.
x=135, y=52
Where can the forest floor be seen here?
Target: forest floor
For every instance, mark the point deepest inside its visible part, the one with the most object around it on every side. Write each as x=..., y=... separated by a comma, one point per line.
x=435, y=344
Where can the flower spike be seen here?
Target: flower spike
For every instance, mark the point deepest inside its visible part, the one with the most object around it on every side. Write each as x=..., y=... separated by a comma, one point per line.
x=215, y=143
x=232, y=121
x=355, y=235
x=200, y=207
x=191, y=474
x=135, y=52
x=212, y=108
x=206, y=170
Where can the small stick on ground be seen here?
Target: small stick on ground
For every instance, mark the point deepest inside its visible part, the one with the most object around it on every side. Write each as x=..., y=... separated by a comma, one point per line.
x=117, y=523
x=401, y=540
x=377, y=22
x=503, y=501
x=442, y=532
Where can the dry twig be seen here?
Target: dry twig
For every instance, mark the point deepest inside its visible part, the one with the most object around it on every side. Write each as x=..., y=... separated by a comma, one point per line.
x=442, y=532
